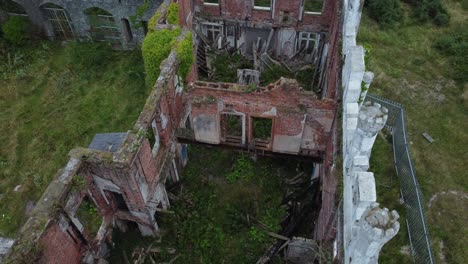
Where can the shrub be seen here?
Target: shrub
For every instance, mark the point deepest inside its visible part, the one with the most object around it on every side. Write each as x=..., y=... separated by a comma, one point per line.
x=156, y=47
x=242, y=169
x=172, y=15
x=185, y=55
x=273, y=74
x=386, y=12
x=15, y=30
x=225, y=65
x=455, y=46
x=431, y=10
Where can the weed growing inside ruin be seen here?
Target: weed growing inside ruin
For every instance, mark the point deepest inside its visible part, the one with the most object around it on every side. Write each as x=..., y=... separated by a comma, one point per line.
x=215, y=220
x=243, y=169
x=89, y=217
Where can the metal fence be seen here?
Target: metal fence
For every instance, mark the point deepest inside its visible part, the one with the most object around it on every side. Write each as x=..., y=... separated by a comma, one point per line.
x=409, y=187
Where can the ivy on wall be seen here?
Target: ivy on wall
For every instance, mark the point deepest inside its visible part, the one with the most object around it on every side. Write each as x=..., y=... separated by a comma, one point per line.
x=172, y=15
x=156, y=47
x=185, y=55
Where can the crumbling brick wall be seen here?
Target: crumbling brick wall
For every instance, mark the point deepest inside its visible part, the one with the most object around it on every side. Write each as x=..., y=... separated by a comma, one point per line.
x=301, y=123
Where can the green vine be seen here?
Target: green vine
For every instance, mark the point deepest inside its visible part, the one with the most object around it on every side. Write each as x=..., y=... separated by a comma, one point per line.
x=185, y=55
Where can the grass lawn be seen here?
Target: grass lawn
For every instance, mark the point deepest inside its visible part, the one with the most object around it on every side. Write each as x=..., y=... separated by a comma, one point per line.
x=54, y=98
x=409, y=70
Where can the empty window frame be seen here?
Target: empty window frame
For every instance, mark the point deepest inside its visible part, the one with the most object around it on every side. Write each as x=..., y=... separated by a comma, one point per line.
x=60, y=21
x=127, y=29
x=102, y=25
x=306, y=42
x=178, y=84
x=261, y=128
x=263, y=4
x=144, y=25
x=212, y=30
x=12, y=8
x=313, y=6
x=153, y=138
x=118, y=200
x=286, y=17
x=232, y=128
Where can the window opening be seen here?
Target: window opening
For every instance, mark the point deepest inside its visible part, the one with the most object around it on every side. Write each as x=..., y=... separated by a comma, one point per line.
x=144, y=24
x=231, y=127
x=60, y=21
x=102, y=26
x=262, y=4
x=313, y=6
x=88, y=216
x=212, y=31
x=261, y=131
x=188, y=124
x=153, y=137
x=306, y=42
x=216, y=2
x=12, y=8
x=286, y=17
x=178, y=84
x=127, y=30
x=119, y=200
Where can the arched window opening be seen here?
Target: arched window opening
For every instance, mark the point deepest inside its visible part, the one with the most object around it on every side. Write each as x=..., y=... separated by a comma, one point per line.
x=102, y=26
x=12, y=8
x=127, y=30
x=59, y=20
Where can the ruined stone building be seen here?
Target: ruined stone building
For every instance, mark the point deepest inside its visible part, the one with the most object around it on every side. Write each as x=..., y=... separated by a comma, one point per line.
x=124, y=23
x=125, y=174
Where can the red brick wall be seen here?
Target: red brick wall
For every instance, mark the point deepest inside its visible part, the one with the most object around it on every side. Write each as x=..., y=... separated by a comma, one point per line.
x=243, y=9
x=59, y=247
x=290, y=102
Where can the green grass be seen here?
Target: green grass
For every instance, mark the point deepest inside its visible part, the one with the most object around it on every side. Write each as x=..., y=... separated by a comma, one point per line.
x=409, y=70
x=388, y=194
x=53, y=99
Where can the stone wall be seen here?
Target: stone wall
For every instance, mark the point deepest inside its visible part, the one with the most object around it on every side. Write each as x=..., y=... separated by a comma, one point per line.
x=120, y=9
x=367, y=227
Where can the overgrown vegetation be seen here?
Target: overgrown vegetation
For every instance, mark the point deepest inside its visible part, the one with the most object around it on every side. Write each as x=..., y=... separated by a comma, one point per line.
x=273, y=74
x=185, y=55
x=389, y=13
x=227, y=204
x=172, y=14
x=431, y=10
x=224, y=66
x=156, y=47
x=386, y=12
x=54, y=98
x=454, y=46
x=88, y=215
x=422, y=76
x=262, y=128
x=15, y=30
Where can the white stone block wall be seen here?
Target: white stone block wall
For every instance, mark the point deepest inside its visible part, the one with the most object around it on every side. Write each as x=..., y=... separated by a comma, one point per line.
x=367, y=227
